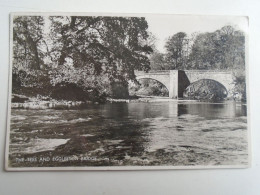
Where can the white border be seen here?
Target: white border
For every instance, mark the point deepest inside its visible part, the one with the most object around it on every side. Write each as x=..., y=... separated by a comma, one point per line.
x=117, y=168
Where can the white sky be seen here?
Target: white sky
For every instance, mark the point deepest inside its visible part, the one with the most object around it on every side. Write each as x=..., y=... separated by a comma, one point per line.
x=163, y=26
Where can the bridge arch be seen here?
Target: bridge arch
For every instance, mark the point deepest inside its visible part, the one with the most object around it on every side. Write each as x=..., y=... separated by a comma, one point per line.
x=206, y=88
x=166, y=85
x=225, y=78
x=160, y=92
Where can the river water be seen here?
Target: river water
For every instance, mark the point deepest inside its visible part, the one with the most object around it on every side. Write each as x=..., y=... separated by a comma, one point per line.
x=130, y=134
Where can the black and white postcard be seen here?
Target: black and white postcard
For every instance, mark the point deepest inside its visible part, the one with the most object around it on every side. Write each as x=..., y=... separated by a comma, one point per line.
x=127, y=92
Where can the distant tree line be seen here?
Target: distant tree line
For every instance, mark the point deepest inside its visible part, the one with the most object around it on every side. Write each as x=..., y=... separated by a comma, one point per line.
x=222, y=49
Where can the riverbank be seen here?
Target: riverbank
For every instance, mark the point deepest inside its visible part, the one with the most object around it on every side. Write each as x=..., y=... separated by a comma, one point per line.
x=40, y=102
x=149, y=99
x=182, y=101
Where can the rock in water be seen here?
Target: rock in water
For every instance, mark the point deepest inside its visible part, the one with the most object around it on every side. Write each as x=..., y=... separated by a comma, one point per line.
x=205, y=89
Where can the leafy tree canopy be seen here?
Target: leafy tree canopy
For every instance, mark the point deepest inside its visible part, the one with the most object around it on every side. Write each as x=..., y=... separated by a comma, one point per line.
x=110, y=45
x=27, y=40
x=222, y=49
x=175, y=47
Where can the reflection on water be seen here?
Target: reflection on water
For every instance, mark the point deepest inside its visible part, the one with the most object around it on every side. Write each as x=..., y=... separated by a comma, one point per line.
x=158, y=133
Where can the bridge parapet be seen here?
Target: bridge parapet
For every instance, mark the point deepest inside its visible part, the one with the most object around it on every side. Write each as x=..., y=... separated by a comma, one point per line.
x=138, y=73
x=209, y=71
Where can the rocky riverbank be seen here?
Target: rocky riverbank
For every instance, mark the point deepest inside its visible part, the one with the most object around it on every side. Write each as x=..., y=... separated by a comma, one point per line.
x=40, y=102
x=149, y=99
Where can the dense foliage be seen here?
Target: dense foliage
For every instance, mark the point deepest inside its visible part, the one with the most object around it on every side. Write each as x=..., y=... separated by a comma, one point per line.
x=90, y=52
x=176, y=47
x=220, y=50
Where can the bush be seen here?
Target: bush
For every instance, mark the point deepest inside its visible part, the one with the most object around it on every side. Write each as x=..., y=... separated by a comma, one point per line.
x=68, y=91
x=119, y=90
x=73, y=92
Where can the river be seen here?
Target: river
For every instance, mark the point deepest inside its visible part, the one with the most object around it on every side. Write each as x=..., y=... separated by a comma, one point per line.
x=130, y=134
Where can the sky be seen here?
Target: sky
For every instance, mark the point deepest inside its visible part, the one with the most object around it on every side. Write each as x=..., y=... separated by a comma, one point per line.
x=164, y=26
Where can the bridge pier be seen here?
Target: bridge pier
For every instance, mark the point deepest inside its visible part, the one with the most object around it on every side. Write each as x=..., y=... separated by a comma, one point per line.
x=173, y=87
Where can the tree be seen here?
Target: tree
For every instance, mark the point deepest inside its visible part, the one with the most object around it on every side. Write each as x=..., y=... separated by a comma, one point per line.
x=27, y=40
x=29, y=51
x=234, y=48
x=150, y=41
x=157, y=61
x=203, y=54
x=222, y=49
x=109, y=45
x=177, y=50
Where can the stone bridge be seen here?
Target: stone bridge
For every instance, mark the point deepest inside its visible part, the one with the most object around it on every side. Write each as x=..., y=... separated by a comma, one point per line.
x=176, y=81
